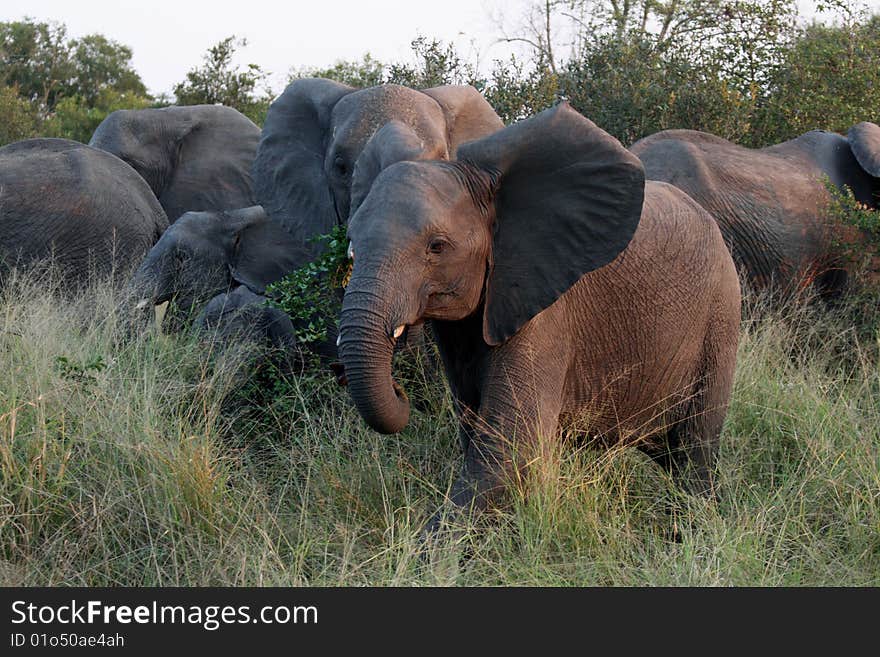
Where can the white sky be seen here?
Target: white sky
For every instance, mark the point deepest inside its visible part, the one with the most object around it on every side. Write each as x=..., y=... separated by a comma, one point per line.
x=169, y=37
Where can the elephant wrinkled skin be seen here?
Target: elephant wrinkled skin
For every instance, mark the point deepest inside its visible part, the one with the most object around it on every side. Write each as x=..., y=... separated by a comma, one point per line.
x=206, y=253
x=84, y=209
x=559, y=286
x=323, y=144
x=771, y=203
x=195, y=158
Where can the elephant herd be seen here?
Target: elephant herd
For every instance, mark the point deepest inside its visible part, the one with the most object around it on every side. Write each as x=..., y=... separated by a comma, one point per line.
x=563, y=276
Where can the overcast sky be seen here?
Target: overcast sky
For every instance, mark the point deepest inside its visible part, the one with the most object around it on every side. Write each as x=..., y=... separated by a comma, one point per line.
x=169, y=37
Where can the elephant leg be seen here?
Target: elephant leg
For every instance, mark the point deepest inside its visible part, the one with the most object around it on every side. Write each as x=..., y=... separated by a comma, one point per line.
x=517, y=419
x=691, y=452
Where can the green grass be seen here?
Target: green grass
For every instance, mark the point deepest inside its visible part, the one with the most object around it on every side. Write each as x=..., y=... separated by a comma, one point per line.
x=149, y=462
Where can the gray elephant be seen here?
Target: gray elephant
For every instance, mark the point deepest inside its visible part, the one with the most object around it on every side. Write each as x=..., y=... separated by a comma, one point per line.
x=771, y=203
x=560, y=287
x=86, y=210
x=194, y=158
x=323, y=144
x=243, y=318
x=207, y=253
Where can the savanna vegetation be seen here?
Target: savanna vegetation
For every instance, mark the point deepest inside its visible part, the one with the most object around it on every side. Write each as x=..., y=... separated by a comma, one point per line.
x=147, y=460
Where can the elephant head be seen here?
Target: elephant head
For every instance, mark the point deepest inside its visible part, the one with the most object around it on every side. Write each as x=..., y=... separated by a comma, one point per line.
x=194, y=158
x=323, y=144
x=494, y=237
x=205, y=253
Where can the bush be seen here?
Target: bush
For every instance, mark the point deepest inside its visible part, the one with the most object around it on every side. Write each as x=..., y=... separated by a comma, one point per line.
x=632, y=87
x=74, y=118
x=310, y=295
x=18, y=120
x=829, y=79
x=857, y=237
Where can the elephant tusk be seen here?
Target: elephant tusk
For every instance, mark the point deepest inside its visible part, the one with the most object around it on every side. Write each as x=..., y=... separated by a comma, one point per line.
x=350, y=251
x=339, y=339
x=143, y=303
x=399, y=331
x=159, y=313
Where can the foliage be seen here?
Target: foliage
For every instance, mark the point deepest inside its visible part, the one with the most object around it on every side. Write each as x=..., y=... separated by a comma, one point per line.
x=632, y=87
x=83, y=373
x=45, y=66
x=436, y=63
x=309, y=295
x=17, y=117
x=857, y=236
x=76, y=118
x=219, y=81
x=101, y=67
x=517, y=91
x=35, y=59
x=829, y=79
x=368, y=72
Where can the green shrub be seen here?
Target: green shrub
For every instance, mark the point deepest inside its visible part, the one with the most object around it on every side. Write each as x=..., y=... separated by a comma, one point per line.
x=309, y=295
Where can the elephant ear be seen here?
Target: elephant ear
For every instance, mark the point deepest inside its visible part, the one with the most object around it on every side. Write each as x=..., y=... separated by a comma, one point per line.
x=468, y=115
x=262, y=251
x=288, y=171
x=568, y=201
x=864, y=140
x=393, y=142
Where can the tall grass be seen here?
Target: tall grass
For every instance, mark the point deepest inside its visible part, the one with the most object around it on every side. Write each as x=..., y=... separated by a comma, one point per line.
x=154, y=461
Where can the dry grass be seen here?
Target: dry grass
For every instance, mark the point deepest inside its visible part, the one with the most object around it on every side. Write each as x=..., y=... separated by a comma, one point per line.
x=163, y=467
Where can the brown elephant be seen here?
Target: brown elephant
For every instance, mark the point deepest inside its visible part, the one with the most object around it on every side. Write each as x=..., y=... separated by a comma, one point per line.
x=559, y=286
x=771, y=203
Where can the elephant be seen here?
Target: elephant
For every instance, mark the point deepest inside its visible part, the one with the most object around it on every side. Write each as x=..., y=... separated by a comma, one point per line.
x=203, y=254
x=323, y=144
x=242, y=316
x=560, y=287
x=82, y=208
x=194, y=158
x=771, y=202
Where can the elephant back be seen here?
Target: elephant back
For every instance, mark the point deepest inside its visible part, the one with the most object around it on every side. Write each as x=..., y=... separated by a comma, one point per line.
x=84, y=209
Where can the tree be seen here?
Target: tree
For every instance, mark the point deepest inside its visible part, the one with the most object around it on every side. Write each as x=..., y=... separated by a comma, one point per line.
x=101, y=65
x=17, y=117
x=436, y=63
x=829, y=79
x=218, y=81
x=76, y=118
x=367, y=72
x=44, y=66
x=517, y=90
x=35, y=60
x=632, y=88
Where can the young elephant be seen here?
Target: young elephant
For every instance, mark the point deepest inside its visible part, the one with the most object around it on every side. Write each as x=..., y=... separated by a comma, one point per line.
x=205, y=253
x=241, y=317
x=559, y=287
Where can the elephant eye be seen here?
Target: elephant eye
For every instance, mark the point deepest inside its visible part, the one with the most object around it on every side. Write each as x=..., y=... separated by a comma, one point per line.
x=340, y=166
x=437, y=246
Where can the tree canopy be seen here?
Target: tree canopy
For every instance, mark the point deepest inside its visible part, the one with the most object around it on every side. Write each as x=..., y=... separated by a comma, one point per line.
x=751, y=71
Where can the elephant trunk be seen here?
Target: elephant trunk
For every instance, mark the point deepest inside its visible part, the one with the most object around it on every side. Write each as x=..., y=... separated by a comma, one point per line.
x=141, y=295
x=366, y=348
